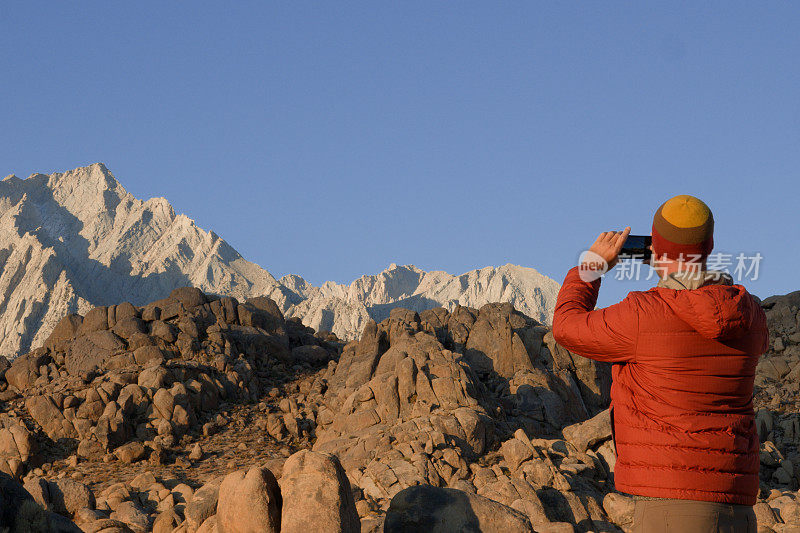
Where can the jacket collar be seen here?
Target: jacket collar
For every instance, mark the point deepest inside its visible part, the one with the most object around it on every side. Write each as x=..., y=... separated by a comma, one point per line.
x=694, y=279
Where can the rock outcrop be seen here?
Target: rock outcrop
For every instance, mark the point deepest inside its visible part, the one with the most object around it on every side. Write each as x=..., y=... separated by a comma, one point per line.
x=249, y=502
x=200, y=413
x=777, y=394
x=316, y=495
x=441, y=510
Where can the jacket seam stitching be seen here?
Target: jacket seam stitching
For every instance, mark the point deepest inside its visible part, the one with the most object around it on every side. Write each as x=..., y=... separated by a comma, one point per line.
x=727, y=492
x=672, y=333
x=696, y=432
x=738, y=416
x=645, y=466
x=715, y=450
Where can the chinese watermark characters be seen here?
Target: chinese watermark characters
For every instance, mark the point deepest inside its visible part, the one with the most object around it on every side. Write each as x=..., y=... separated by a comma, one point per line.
x=740, y=267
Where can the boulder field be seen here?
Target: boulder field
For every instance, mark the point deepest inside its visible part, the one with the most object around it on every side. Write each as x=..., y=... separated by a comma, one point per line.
x=199, y=413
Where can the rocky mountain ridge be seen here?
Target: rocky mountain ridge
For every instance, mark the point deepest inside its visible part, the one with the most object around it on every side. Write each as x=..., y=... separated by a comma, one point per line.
x=71, y=241
x=345, y=309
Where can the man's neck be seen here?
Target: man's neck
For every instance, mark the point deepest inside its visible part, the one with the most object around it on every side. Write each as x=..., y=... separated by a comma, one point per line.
x=671, y=267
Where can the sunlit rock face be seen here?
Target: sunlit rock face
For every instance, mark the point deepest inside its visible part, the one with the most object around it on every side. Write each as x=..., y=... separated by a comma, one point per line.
x=75, y=240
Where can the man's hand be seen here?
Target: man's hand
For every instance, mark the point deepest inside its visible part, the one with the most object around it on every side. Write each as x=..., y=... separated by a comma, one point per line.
x=608, y=245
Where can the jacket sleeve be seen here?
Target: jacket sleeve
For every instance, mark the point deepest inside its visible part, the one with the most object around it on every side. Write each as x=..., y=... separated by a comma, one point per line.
x=607, y=334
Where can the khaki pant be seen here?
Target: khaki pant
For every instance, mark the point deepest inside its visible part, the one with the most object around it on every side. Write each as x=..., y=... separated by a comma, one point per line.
x=688, y=516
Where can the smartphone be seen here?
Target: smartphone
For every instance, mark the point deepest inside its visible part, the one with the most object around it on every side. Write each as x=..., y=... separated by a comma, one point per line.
x=636, y=247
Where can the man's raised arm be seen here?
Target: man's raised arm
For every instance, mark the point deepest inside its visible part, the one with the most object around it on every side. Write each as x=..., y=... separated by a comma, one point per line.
x=604, y=334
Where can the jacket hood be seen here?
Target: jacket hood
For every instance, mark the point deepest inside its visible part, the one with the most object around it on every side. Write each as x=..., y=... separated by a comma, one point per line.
x=716, y=311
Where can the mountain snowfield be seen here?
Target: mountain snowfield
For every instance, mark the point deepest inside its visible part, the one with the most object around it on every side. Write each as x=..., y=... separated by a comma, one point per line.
x=71, y=241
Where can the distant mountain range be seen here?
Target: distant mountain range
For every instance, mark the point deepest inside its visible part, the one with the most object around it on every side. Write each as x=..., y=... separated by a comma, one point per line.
x=71, y=241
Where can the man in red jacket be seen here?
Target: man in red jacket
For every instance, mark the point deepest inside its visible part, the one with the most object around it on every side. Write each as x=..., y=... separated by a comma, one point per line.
x=684, y=355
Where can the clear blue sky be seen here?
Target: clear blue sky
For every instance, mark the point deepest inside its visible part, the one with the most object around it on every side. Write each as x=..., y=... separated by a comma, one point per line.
x=330, y=139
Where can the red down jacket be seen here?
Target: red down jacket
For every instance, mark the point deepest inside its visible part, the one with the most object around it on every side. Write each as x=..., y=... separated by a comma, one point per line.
x=682, y=385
